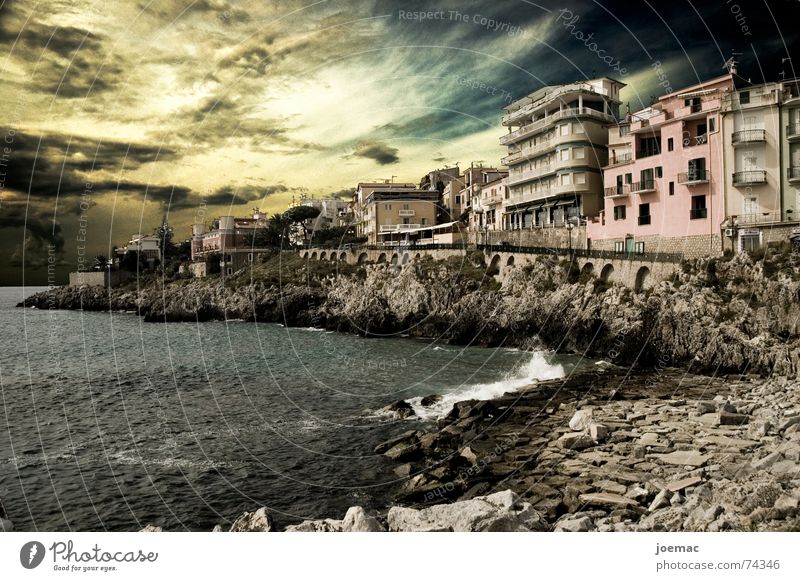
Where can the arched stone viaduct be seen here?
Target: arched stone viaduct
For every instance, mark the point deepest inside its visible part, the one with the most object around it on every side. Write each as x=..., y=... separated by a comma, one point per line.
x=634, y=272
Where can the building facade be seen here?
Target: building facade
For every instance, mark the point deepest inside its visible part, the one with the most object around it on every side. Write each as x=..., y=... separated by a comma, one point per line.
x=388, y=214
x=557, y=144
x=664, y=181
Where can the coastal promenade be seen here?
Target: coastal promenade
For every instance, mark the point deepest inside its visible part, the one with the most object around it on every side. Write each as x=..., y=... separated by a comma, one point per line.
x=637, y=271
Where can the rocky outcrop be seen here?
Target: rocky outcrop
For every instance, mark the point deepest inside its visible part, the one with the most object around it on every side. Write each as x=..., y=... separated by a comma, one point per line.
x=356, y=520
x=667, y=457
x=719, y=314
x=259, y=521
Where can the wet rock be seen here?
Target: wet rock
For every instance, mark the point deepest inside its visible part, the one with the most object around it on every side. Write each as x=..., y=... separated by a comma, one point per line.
x=498, y=512
x=151, y=529
x=404, y=450
x=469, y=455
x=429, y=400
x=399, y=409
x=316, y=526
x=411, y=435
x=259, y=521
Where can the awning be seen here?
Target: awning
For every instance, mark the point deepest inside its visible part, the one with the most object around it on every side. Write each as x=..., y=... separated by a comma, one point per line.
x=565, y=203
x=549, y=205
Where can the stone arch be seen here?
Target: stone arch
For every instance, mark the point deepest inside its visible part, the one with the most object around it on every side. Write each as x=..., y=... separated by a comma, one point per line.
x=382, y=258
x=305, y=254
x=494, y=265
x=362, y=258
x=343, y=256
x=510, y=261
x=333, y=257
x=642, y=279
x=587, y=270
x=406, y=256
x=606, y=275
x=322, y=255
x=313, y=256
x=417, y=256
x=394, y=259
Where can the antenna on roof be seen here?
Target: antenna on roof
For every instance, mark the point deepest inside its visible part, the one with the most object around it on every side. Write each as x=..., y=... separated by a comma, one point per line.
x=731, y=63
x=393, y=178
x=782, y=74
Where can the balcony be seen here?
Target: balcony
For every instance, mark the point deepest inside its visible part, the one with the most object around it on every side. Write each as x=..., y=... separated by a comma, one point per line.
x=694, y=177
x=406, y=213
x=757, y=218
x=618, y=191
x=793, y=131
x=643, y=187
x=793, y=173
x=531, y=174
x=748, y=136
x=750, y=177
x=532, y=128
x=695, y=140
x=698, y=213
x=644, y=220
x=620, y=158
x=399, y=227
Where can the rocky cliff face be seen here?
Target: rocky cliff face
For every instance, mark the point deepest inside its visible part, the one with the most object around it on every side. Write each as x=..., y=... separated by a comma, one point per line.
x=735, y=314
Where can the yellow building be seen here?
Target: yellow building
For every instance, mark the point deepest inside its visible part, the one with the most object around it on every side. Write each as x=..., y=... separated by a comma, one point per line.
x=388, y=213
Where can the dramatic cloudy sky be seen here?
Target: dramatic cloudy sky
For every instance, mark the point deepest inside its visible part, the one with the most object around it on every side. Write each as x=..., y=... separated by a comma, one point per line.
x=114, y=113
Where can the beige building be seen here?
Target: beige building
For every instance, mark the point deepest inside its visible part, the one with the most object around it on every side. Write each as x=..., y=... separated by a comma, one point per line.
x=487, y=209
x=557, y=144
x=751, y=127
x=362, y=194
x=387, y=214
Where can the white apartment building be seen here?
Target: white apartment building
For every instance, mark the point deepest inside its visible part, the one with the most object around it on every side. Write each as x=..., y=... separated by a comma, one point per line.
x=557, y=144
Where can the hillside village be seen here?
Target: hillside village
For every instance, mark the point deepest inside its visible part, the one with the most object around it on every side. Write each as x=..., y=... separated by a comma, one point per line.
x=707, y=169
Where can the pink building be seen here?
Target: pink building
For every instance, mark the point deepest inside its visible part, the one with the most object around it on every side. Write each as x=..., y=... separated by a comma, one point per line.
x=664, y=182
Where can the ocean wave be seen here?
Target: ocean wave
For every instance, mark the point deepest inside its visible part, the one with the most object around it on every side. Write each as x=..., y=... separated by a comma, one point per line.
x=537, y=368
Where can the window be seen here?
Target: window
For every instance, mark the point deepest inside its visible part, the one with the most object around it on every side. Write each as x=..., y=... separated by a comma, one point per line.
x=639, y=247
x=424, y=221
x=565, y=179
x=619, y=246
x=458, y=199
x=230, y=271
x=628, y=178
x=578, y=153
x=698, y=211
x=659, y=172
x=671, y=188
x=644, y=214
x=624, y=130
x=250, y=257
x=744, y=97
x=406, y=221
x=563, y=155
x=580, y=178
x=619, y=212
x=563, y=129
x=697, y=169
x=712, y=124
x=670, y=144
x=578, y=128
x=405, y=206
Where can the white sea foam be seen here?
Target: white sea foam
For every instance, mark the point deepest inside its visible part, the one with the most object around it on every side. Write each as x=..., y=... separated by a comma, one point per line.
x=537, y=368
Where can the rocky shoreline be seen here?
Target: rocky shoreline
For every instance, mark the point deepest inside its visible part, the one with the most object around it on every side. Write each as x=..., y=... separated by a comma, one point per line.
x=647, y=446
x=611, y=451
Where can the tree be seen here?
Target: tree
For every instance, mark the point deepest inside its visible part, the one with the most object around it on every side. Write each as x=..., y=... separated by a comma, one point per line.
x=301, y=215
x=164, y=234
x=100, y=262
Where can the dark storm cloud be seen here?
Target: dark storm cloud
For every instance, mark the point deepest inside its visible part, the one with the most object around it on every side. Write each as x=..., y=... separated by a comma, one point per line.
x=65, y=60
x=377, y=151
x=46, y=166
x=234, y=195
x=343, y=193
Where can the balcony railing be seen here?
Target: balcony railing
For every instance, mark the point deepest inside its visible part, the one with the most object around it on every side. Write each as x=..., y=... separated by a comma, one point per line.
x=750, y=177
x=620, y=158
x=698, y=213
x=793, y=173
x=643, y=187
x=566, y=113
x=406, y=213
x=618, y=191
x=749, y=136
x=644, y=220
x=793, y=130
x=757, y=218
x=399, y=227
x=695, y=140
x=694, y=177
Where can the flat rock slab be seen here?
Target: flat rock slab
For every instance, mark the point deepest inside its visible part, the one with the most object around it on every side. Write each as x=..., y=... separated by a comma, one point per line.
x=726, y=442
x=607, y=499
x=683, y=458
x=678, y=485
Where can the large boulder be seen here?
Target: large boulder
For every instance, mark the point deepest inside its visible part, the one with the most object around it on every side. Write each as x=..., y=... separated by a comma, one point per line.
x=356, y=520
x=581, y=420
x=399, y=409
x=258, y=521
x=327, y=525
x=498, y=512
